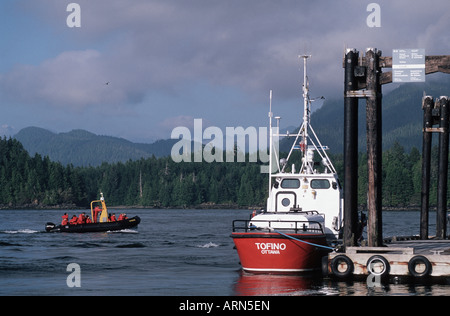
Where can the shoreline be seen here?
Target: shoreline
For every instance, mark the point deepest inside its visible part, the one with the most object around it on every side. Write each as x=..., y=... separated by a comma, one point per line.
x=204, y=206
x=132, y=207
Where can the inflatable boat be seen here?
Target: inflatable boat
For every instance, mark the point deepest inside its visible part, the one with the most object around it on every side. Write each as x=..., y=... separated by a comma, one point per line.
x=100, y=221
x=94, y=227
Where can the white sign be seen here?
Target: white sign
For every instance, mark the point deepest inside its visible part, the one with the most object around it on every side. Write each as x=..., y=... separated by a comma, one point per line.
x=408, y=65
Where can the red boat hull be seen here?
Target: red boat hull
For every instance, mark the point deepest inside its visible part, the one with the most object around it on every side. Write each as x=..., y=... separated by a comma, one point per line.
x=272, y=252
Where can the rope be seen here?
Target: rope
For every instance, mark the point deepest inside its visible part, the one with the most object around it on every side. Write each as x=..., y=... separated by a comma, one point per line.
x=306, y=242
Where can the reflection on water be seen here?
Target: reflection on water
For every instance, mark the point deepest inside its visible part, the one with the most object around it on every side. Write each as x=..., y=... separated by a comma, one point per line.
x=263, y=284
x=306, y=285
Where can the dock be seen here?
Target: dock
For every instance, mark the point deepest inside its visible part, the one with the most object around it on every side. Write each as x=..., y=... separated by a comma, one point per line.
x=415, y=258
x=419, y=257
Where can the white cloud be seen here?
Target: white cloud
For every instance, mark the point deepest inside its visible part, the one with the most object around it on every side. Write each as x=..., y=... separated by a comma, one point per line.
x=249, y=44
x=161, y=47
x=7, y=130
x=73, y=79
x=181, y=120
x=70, y=78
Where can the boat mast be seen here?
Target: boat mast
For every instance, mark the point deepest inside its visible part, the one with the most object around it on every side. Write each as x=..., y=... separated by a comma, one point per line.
x=303, y=131
x=306, y=119
x=306, y=132
x=304, y=136
x=305, y=100
x=270, y=141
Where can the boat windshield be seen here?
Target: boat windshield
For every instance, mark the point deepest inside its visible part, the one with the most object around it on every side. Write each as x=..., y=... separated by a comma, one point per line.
x=320, y=184
x=290, y=183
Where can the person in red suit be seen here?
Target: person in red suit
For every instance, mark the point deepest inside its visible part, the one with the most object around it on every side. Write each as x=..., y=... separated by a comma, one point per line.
x=65, y=219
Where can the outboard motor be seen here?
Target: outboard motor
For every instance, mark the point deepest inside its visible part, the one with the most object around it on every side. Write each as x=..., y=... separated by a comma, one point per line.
x=49, y=226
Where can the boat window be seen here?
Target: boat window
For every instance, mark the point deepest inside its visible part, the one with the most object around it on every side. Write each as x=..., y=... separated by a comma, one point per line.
x=285, y=202
x=290, y=183
x=320, y=184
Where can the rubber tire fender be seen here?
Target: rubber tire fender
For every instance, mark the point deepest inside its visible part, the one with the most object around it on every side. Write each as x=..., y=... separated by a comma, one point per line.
x=412, y=264
x=387, y=267
x=324, y=266
x=336, y=261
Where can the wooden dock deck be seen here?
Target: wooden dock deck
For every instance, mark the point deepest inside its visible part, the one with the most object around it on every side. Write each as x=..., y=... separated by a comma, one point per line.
x=399, y=257
x=424, y=247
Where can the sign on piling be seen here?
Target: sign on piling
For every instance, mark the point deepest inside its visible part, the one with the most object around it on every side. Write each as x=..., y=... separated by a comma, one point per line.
x=408, y=65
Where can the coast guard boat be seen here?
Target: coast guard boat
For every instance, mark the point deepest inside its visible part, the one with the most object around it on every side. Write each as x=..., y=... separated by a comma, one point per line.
x=304, y=213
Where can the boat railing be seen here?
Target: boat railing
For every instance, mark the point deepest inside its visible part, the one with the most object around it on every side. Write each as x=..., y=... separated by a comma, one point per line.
x=245, y=225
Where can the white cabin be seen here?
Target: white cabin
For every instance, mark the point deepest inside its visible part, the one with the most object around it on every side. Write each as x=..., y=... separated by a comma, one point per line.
x=294, y=193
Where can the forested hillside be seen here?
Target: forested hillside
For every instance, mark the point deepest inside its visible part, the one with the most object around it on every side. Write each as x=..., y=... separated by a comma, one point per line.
x=156, y=182
x=82, y=148
x=36, y=181
x=164, y=183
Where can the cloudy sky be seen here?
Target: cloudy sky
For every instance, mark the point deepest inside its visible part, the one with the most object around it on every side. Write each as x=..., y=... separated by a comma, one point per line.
x=167, y=62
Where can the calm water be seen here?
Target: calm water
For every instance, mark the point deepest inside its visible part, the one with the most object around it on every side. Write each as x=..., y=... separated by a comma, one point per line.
x=173, y=252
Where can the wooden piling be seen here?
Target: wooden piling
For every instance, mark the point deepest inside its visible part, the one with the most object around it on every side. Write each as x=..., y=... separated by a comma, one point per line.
x=374, y=149
x=413, y=259
x=441, y=213
x=427, y=106
x=350, y=149
x=364, y=81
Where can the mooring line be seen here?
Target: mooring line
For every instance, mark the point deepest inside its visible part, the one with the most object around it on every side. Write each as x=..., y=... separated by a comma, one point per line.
x=306, y=242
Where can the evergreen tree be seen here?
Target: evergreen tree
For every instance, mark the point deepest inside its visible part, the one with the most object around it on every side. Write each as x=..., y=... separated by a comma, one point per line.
x=398, y=183
x=37, y=181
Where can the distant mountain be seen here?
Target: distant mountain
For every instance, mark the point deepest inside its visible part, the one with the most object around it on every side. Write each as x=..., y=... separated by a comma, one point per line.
x=83, y=148
x=402, y=122
x=402, y=117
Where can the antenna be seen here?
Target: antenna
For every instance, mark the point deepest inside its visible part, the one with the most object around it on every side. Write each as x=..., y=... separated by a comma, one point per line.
x=306, y=101
x=305, y=89
x=270, y=107
x=270, y=141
